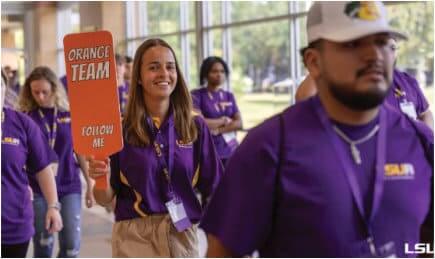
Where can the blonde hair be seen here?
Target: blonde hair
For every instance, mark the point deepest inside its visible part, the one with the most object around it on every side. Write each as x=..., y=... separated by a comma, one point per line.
x=26, y=101
x=134, y=123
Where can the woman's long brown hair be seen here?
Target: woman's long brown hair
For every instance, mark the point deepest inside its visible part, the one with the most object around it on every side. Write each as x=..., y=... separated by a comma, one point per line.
x=134, y=123
x=26, y=101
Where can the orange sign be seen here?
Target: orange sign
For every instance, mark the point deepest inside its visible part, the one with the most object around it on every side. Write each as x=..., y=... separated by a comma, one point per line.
x=93, y=95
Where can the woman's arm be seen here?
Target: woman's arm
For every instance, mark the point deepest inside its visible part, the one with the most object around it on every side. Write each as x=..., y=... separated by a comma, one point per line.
x=214, y=124
x=53, y=220
x=89, y=198
x=235, y=124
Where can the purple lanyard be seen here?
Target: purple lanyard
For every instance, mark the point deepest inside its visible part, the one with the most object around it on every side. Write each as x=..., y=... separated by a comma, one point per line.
x=52, y=131
x=216, y=103
x=346, y=163
x=166, y=166
x=398, y=92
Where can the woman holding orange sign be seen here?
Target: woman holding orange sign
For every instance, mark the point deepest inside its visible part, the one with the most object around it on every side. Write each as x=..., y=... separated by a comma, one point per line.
x=167, y=156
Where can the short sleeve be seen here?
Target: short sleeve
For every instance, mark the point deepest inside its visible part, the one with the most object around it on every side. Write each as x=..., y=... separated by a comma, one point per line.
x=240, y=211
x=40, y=154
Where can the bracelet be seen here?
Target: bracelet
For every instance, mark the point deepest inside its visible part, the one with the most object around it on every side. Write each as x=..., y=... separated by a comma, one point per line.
x=56, y=206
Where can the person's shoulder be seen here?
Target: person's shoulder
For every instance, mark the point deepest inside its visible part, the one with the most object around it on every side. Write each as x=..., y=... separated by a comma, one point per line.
x=19, y=117
x=402, y=75
x=399, y=121
x=197, y=90
x=64, y=113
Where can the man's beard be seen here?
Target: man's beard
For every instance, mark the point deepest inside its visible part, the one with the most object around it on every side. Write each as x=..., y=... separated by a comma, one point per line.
x=358, y=101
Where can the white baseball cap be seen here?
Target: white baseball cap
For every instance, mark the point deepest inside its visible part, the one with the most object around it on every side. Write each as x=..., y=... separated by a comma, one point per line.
x=347, y=21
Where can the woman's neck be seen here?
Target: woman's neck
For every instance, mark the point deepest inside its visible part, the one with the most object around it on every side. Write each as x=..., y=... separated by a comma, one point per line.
x=157, y=108
x=213, y=88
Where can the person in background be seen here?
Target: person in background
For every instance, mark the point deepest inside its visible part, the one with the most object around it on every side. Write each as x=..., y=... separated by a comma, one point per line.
x=337, y=175
x=64, y=82
x=405, y=94
x=123, y=87
x=43, y=98
x=218, y=106
x=25, y=152
x=11, y=97
x=168, y=156
x=128, y=70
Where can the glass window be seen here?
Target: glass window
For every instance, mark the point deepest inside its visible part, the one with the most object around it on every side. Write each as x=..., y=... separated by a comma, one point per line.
x=260, y=71
x=163, y=17
x=216, y=38
x=216, y=12
x=193, y=62
x=415, y=55
x=303, y=42
x=249, y=10
x=191, y=15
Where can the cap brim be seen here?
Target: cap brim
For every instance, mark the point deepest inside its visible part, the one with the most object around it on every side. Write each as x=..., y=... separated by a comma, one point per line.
x=353, y=35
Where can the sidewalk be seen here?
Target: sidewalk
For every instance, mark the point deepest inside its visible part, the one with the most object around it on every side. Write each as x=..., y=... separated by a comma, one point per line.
x=96, y=235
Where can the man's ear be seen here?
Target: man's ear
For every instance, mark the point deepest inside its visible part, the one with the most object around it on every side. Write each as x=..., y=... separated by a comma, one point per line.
x=313, y=62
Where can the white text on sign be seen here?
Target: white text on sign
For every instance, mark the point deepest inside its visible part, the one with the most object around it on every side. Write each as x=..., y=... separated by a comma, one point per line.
x=97, y=132
x=89, y=71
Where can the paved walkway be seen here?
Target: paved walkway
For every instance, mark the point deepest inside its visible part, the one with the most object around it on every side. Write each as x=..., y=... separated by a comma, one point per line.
x=96, y=234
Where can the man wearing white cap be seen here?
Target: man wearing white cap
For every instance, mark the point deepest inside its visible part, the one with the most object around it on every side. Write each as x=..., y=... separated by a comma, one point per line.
x=339, y=175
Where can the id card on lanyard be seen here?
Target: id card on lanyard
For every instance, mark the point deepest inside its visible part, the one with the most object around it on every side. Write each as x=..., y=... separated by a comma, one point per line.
x=406, y=106
x=385, y=250
x=175, y=205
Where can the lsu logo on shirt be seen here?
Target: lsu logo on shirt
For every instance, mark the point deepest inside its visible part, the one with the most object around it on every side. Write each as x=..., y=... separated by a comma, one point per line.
x=403, y=171
x=180, y=143
x=64, y=120
x=11, y=141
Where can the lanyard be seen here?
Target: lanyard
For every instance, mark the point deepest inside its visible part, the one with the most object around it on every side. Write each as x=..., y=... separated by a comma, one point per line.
x=216, y=103
x=166, y=166
x=350, y=172
x=398, y=92
x=52, y=131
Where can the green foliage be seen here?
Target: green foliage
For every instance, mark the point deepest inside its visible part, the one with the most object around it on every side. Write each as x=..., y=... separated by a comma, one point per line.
x=416, y=21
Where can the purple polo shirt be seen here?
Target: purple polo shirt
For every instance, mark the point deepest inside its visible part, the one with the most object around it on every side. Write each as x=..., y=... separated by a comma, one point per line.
x=407, y=84
x=68, y=173
x=123, y=96
x=23, y=146
x=297, y=201
x=139, y=183
x=214, y=105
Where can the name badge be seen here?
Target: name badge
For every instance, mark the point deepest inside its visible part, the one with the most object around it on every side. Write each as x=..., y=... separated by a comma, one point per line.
x=230, y=139
x=409, y=109
x=229, y=136
x=178, y=215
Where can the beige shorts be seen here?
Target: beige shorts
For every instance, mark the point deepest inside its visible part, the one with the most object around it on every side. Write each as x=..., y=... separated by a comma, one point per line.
x=153, y=236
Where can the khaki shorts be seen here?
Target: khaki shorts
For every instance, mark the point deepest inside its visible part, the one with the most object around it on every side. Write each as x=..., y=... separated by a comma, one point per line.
x=153, y=236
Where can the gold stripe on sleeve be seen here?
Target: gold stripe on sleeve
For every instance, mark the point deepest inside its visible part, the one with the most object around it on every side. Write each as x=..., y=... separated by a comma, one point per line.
x=138, y=196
